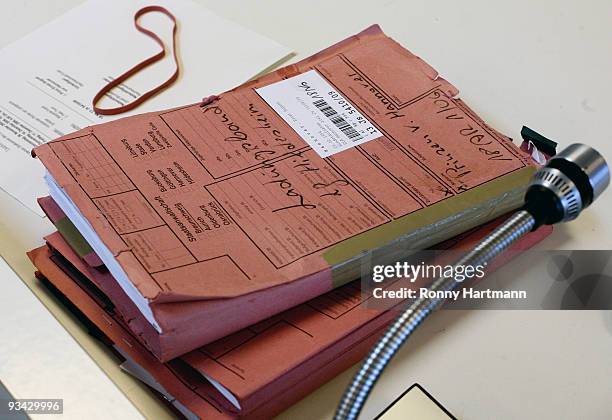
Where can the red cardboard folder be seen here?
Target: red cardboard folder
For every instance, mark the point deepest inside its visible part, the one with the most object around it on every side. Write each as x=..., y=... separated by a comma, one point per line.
x=236, y=202
x=259, y=370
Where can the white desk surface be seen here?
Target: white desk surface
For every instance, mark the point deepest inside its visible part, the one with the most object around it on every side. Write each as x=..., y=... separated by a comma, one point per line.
x=546, y=64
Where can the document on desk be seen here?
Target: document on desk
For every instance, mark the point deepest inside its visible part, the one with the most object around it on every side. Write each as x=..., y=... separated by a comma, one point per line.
x=278, y=207
x=257, y=371
x=50, y=76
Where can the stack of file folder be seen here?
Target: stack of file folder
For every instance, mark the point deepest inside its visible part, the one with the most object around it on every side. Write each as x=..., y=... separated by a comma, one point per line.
x=217, y=247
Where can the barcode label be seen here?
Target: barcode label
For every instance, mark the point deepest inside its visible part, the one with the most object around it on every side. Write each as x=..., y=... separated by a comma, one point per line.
x=319, y=113
x=338, y=121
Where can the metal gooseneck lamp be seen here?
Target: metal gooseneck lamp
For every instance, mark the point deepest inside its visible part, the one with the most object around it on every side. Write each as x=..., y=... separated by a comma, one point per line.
x=558, y=192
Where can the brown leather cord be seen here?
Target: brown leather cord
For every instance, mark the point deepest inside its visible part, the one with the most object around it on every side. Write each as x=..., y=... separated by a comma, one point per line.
x=140, y=66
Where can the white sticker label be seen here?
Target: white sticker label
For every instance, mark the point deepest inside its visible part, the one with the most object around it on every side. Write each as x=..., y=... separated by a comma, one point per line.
x=324, y=118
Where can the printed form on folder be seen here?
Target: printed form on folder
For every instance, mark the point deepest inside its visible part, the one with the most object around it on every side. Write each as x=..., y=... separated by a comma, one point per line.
x=231, y=203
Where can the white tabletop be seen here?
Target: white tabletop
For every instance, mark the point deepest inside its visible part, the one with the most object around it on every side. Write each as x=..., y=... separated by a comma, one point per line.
x=545, y=64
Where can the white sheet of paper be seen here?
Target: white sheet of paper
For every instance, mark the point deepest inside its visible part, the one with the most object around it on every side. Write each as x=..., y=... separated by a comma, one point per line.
x=50, y=76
